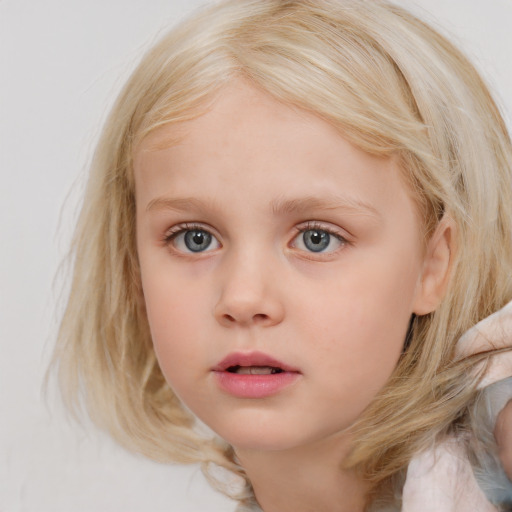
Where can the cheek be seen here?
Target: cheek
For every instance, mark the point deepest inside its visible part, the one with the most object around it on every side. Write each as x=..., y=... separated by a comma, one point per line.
x=359, y=323
x=368, y=308
x=177, y=313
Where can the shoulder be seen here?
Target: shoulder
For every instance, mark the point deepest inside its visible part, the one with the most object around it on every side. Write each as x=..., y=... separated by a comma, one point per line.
x=442, y=480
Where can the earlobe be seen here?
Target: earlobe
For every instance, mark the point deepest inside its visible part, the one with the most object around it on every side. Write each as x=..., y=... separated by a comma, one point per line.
x=436, y=267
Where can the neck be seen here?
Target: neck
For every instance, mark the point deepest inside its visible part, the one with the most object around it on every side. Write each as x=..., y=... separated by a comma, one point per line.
x=305, y=479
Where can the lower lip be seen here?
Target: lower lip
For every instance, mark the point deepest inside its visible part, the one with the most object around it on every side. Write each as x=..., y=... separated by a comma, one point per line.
x=254, y=386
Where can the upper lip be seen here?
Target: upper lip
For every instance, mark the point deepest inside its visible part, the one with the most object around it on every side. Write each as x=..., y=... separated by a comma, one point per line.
x=251, y=359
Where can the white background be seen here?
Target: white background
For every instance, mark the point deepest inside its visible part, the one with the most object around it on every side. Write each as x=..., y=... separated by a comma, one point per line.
x=61, y=63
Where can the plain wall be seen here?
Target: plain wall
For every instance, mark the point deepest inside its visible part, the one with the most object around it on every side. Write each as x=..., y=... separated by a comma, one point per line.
x=61, y=64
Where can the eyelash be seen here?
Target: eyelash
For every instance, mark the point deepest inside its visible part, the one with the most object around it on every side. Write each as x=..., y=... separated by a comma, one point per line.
x=173, y=233
x=317, y=226
x=313, y=225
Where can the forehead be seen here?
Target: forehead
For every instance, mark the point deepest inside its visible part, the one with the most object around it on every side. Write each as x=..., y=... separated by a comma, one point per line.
x=238, y=112
x=250, y=147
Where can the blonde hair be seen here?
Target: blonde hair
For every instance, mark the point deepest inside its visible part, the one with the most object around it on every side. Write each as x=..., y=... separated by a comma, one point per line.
x=392, y=85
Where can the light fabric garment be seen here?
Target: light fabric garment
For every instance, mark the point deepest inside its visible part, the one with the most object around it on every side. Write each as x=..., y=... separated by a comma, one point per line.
x=442, y=479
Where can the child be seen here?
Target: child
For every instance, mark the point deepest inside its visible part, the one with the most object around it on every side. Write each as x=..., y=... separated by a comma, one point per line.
x=296, y=211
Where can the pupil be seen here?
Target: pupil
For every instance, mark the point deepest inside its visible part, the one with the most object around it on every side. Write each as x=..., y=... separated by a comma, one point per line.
x=316, y=240
x=197, y=241
x=198, y=238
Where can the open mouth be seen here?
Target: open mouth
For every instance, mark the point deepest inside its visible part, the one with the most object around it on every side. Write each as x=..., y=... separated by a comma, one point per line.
x=254, y=370
x=252, y=363
x=254, y=375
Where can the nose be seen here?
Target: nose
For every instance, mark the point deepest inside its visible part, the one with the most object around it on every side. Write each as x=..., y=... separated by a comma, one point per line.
x=250, y=294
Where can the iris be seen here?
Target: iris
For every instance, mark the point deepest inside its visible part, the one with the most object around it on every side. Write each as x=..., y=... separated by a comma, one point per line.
x=316, y=240
x=197, y=240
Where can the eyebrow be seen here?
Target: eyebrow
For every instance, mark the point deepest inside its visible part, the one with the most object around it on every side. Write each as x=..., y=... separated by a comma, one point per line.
x=326, y=203
x=181, y=204
x=277, y=206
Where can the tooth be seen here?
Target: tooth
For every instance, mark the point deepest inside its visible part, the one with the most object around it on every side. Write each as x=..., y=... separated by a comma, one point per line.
x=261, y=370
x=256, y=370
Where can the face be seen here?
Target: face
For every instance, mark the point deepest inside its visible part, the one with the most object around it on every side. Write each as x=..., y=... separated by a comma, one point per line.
x=280, y=267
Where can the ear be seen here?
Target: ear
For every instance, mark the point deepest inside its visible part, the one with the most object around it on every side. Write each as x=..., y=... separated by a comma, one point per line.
x=436, y=267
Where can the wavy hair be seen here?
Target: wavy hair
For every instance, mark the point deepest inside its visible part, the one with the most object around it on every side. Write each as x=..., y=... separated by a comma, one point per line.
x=393, y=86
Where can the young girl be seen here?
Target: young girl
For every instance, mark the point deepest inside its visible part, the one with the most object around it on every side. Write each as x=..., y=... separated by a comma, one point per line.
x=296, y=215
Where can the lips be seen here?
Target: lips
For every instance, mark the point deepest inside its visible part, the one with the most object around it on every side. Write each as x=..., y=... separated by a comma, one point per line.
x=253, y=375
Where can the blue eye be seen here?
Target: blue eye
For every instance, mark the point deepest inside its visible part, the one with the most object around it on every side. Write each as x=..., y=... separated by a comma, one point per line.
x=197, y=241
x=317, y=240
x=193, y=240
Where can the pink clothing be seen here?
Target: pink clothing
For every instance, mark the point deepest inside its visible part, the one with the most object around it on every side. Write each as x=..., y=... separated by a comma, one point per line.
x=442, y=479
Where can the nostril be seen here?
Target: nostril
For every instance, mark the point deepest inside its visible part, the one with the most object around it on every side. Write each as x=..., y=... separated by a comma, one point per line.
x=257, y=318
x=260, y=317
x=235, y=310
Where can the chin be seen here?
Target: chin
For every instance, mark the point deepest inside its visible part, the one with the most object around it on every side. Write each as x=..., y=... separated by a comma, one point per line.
x=272, y=437
x=256, y=434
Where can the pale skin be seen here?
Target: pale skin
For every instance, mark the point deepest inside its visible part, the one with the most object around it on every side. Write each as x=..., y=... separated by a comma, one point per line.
x=262, y=176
